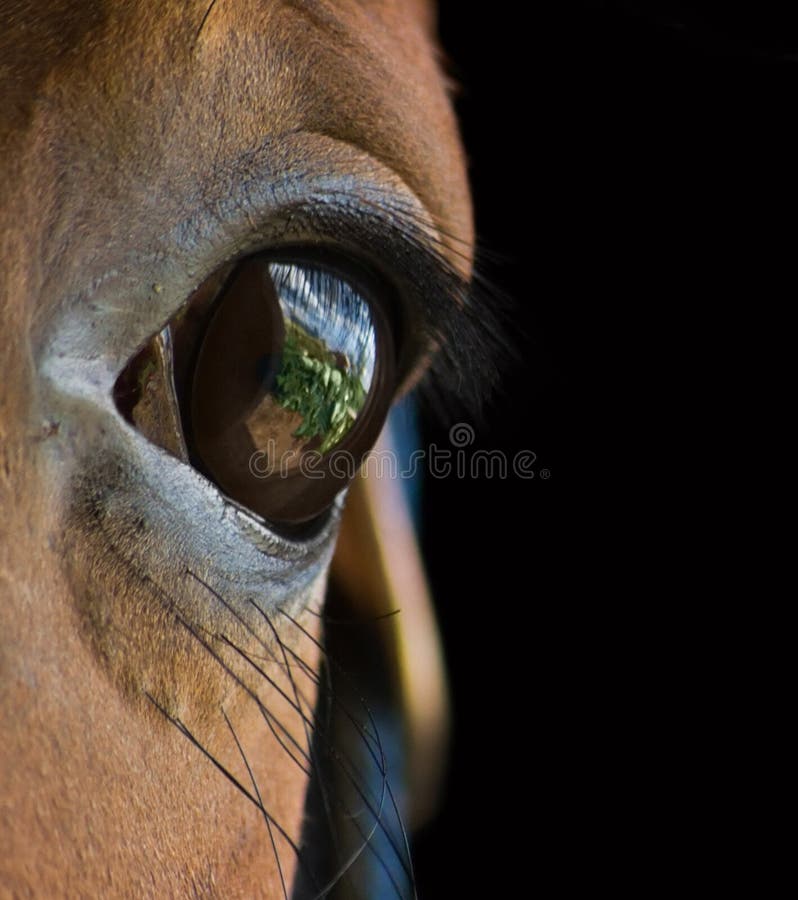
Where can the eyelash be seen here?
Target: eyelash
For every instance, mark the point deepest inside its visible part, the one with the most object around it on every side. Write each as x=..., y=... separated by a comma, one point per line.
x=466, y=322
x=435, y=313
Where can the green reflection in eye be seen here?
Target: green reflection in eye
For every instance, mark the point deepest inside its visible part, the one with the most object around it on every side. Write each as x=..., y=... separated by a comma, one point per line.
x=287, y=366
x=319, y=385
x=326, y=362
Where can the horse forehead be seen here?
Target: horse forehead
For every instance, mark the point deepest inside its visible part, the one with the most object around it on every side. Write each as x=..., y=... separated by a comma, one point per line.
x=363, y=71
x=104, y=95
x=63, y=26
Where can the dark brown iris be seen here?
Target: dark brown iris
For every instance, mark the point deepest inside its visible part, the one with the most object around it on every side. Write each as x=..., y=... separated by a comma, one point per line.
x=274, y=381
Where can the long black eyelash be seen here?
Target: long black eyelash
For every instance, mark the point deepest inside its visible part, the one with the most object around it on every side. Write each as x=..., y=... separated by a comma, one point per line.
x=469, y=322
x=399, y=844
x=255, y=787
x=318, y=884
x=476, y=351
x=349, y=798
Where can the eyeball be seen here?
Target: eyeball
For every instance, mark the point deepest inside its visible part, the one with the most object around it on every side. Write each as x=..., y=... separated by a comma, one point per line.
x=292, y=383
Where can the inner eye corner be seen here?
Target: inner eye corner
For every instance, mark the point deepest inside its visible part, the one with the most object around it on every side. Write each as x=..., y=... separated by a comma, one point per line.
x=273, y=381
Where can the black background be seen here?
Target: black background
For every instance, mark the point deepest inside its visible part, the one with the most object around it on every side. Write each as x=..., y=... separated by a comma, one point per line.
x=631, y=167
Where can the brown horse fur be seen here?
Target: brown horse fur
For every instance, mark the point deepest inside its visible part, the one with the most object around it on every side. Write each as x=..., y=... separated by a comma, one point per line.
x=142, y=144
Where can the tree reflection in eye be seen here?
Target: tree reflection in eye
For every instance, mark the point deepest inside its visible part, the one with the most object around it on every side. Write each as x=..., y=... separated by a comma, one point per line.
x=289, y=360
x=328, y=353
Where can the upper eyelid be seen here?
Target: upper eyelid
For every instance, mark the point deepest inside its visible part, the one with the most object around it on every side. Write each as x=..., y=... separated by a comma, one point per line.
x=367, y=210
x=388, y=231
x=362, y=188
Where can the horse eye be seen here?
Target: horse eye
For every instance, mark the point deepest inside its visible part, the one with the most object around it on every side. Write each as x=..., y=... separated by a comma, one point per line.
x=275, y=388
